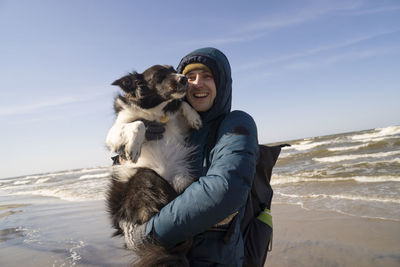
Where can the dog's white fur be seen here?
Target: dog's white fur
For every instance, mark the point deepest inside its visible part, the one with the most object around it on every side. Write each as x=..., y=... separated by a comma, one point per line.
x=167, y=156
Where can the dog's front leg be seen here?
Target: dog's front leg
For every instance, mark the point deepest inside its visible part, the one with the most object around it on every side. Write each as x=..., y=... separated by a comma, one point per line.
x=134, y=133
x=115, y=140
x=127, y=138
x=192, y=117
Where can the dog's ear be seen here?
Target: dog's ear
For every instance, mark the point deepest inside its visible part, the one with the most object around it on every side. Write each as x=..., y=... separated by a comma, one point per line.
x=129, y=83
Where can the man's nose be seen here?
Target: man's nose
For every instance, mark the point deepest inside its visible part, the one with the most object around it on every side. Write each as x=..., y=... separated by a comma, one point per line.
x=198, y=81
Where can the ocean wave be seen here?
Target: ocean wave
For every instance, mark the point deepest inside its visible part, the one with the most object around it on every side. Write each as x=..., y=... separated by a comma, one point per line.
x=342, y=197
x=6, y=181
x=75, y=190
x=281, y=180
x=378, y=134
x=100, y=175
x=63, y=173
x=346, y=148
x=371, y=164
x=308, y=144
x=21, y=182
x=356, y=156
x=63, y=194
x=43, y=180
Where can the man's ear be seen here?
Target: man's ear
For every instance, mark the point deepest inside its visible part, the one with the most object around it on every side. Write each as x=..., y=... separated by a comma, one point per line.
x=129, y=83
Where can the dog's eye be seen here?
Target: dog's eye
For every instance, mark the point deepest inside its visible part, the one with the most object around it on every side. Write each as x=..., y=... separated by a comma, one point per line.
x=126, y=82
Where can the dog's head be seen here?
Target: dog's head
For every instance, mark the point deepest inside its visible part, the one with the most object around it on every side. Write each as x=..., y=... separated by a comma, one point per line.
x=154, y=86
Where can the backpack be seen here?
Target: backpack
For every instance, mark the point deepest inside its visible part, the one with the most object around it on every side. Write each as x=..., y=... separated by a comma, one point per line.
x=256, y=225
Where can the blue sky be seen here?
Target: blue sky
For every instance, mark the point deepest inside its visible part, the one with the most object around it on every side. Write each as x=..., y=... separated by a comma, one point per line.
x=300, y=68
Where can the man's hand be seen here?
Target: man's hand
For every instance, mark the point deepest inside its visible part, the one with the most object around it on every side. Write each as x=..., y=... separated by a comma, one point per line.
x=135, y=234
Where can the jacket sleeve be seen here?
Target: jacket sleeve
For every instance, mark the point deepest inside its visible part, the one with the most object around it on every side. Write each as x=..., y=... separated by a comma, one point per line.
x=221, y=192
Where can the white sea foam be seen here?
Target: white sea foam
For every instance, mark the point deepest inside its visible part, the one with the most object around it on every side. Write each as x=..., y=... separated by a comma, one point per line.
x=5, y=181
x=30, y=235
x=74, y=255
x=81, y=190
x=74, y=185
x=357, y=156
x=345, y=148
x=342, y=197
x=379, y=133
x=377, y=179
x=63, y=194
x=63, y=173
x=281, y=180
x=43, y=180
x=308, y=144
x=100, y=175
x=21, y=182
x=372, y=163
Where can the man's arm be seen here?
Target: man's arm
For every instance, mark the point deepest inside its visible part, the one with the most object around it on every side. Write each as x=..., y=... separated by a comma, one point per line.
x=220, y=193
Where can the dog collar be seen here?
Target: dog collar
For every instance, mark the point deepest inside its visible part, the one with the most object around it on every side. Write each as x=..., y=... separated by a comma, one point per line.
x=164, y=119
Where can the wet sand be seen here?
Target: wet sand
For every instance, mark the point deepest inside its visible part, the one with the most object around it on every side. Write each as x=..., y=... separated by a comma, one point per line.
x=324, y=238
x=60, y=233
x=6, y=210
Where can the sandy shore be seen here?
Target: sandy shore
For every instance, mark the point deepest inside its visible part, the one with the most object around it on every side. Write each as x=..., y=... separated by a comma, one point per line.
x=6, y=210
x=322, y=238
x=58, y=233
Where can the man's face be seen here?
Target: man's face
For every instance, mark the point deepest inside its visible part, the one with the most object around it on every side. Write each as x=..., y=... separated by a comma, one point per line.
x=202, y=90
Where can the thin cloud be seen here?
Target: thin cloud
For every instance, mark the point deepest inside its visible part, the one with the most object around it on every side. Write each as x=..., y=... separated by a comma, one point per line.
x=326, y=61
x=376, y=10
x=36, y=107
x=45, y=104
x=349, y=56
x=226, y=40
x=313, y=10
x=315, y=50
x=259, y=28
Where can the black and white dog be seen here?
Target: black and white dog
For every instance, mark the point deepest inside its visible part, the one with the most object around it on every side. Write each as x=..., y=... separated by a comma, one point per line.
x=155, y=172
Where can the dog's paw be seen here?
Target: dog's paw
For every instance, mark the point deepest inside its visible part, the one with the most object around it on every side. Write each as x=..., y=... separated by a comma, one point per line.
x=135, y=135
x=191, y=115
x=115, y=140
x=196, y=122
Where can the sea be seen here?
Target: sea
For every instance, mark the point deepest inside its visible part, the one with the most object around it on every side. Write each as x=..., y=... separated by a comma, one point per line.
x=355, y=173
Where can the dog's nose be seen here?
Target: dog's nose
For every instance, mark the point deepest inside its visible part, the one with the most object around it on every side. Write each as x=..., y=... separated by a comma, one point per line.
x=182, y=80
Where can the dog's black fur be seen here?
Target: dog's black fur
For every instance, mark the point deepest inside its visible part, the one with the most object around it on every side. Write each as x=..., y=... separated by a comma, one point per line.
x=138, y=199
x=137, y=193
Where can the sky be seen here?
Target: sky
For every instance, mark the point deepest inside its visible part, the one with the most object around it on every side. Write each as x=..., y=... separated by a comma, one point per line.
x=300, y=68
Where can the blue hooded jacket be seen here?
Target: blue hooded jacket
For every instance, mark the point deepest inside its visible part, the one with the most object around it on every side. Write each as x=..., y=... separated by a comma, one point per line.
x=225, y=177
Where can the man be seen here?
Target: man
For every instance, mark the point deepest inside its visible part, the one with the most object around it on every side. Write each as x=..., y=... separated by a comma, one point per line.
x=206, y=208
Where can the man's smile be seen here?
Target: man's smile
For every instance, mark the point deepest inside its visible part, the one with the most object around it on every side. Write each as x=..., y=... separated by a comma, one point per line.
x=201, y=94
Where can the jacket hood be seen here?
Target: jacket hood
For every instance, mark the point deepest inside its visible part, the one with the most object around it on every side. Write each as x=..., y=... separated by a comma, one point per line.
x=221, y=70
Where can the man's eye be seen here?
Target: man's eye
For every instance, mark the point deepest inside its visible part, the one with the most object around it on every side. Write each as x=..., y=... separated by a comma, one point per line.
x=191, y=78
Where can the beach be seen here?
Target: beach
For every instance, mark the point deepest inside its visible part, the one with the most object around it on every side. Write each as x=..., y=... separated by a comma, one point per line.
x=336, y=203
x=325, y=238
x=65, y=233
x=57, y=233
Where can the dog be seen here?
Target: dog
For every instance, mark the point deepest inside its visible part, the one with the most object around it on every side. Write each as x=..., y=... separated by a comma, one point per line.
x=154, y=172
